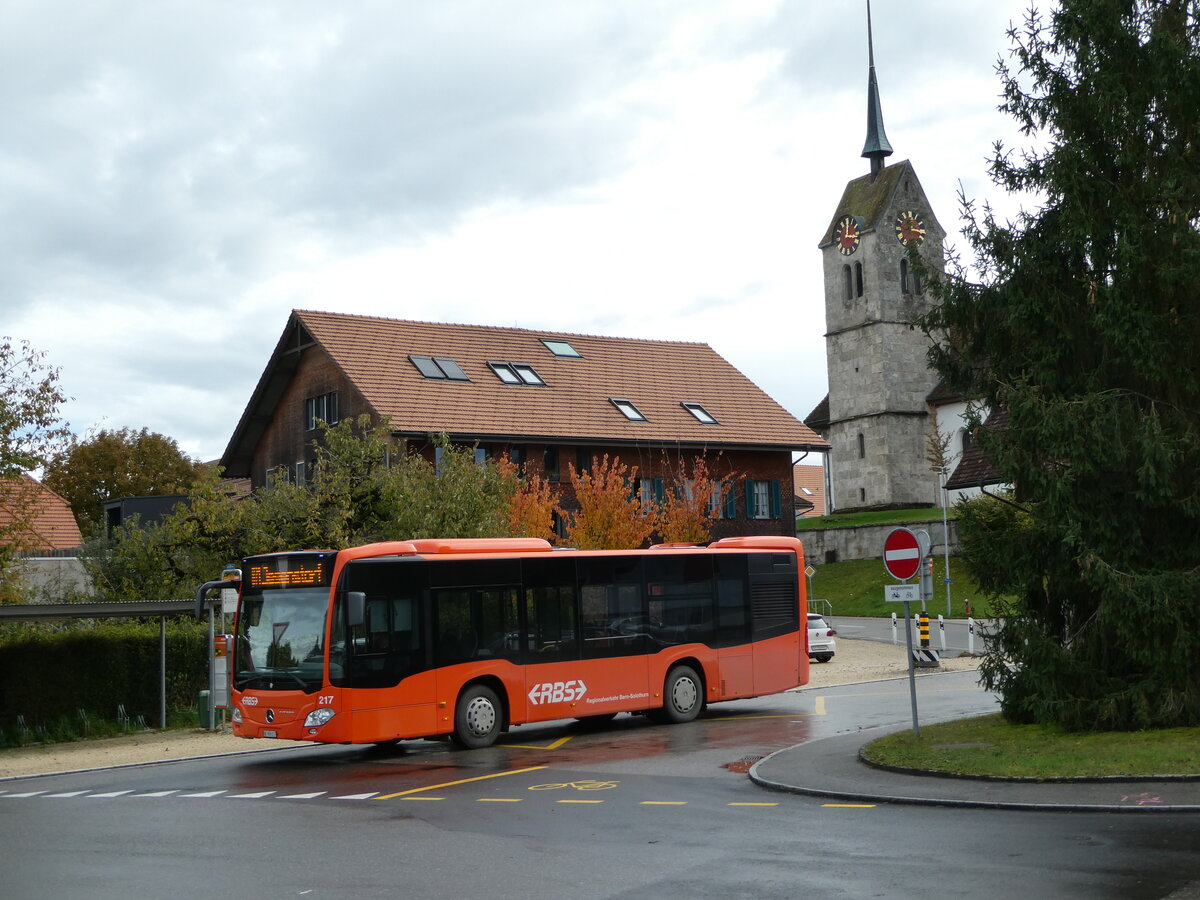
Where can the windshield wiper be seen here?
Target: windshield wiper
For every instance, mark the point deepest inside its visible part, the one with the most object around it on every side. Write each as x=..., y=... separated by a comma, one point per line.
x=267, y=676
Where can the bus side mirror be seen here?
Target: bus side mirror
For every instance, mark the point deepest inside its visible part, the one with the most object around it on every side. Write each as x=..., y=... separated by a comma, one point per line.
x=356, y=608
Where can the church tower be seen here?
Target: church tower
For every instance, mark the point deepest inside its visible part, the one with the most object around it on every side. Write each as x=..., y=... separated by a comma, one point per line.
x=876, y=418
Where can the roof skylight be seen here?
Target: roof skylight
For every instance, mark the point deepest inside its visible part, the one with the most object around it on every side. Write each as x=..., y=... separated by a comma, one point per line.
x=516, y=373
x=561, y=348
x=631, y=412
x=441, y=368
x=700, y=413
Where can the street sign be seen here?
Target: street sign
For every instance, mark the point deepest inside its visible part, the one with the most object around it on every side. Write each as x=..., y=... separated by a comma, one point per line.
x=902, y=593
x=901, y=554
x=810, y=571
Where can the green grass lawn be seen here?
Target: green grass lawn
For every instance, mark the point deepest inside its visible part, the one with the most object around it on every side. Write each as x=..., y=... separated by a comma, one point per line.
x=989, y=745
x=876, y=517
x=855, y=588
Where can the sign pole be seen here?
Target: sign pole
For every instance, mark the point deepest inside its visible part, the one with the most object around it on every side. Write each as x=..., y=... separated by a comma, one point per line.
x=912, y=670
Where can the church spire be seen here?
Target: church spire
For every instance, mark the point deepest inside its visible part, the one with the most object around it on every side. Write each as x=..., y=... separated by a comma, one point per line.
x=876, y=146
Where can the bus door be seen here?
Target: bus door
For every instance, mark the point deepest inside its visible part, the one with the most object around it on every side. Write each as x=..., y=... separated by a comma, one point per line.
x=385, y=662
x=477, y=634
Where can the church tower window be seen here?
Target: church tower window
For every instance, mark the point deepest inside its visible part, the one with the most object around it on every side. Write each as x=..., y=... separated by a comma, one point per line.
x=848, y=286
x=858, y=279
x=904, y=285
x=862, y=446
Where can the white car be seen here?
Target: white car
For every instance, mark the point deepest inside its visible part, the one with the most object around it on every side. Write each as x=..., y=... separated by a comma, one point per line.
x=821, y=645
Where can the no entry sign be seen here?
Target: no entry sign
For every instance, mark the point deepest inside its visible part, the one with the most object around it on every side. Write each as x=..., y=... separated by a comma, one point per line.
x=902, y=554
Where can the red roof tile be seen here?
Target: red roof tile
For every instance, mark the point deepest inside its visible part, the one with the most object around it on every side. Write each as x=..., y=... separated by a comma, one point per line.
x=51, y=524
x=656, y=376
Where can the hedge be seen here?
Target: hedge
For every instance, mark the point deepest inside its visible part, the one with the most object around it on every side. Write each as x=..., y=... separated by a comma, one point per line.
x=45, y=675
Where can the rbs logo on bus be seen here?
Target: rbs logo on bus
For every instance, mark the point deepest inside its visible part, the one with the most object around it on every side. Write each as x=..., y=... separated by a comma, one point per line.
x=557, y=692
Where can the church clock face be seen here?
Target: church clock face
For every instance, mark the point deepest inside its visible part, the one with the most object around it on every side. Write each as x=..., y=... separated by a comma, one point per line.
x=847, y=235
x=910, y=230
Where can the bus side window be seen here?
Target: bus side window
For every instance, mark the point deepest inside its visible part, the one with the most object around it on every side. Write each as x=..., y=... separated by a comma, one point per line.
x=550, y=623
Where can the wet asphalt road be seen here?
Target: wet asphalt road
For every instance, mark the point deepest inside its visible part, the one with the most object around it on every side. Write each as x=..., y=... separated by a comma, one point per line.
x=631, y=809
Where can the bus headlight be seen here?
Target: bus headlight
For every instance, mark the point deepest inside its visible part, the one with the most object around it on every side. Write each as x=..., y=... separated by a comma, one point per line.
x=318, y=717
x=237, y=714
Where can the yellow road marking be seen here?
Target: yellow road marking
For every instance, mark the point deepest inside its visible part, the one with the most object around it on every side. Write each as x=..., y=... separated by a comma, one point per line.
x=820, y=705
x=850, y=805
x=498, y=800
x=664, y=803
x=753, y=804
x=580, y=801
x=446, y=784
x=553, y=745
x=424, y=798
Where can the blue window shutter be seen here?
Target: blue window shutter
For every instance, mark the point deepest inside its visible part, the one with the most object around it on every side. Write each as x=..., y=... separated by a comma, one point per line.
x=776, y=500
x=751, y=509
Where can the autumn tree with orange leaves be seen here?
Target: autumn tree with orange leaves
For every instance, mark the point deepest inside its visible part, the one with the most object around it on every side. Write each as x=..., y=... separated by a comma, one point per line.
x=690, y=506
x=610, y=515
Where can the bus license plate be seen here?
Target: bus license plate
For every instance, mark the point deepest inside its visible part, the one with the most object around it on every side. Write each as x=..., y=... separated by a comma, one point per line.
x=270, y=734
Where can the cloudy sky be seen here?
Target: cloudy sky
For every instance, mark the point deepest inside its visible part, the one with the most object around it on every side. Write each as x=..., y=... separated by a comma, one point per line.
x=176, y=177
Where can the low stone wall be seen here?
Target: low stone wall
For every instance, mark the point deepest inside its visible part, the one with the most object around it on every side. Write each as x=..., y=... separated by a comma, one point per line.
x=54, y=576
x=866, y=541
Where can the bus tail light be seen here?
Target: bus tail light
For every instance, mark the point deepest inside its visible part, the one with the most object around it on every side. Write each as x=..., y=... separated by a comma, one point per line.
x=318, y=717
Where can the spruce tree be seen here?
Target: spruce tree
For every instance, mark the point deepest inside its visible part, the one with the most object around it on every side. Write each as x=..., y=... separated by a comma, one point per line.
x=1082, y=325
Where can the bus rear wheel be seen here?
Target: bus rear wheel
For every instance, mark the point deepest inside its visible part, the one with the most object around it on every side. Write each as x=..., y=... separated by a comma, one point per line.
x=478, y=717
x=683, y=696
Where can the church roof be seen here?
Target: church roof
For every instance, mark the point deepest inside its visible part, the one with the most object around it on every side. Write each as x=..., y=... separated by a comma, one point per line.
x=975, y=469
x=818, y=419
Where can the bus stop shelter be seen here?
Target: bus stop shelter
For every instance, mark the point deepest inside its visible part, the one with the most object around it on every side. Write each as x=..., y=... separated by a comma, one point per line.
x=121, y=610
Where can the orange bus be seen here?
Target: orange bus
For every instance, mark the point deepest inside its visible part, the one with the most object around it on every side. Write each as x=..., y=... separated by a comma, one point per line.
x=466, y=637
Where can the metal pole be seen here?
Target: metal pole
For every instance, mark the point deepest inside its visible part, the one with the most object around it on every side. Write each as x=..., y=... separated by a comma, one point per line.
x=945, y=537
x=212, y=683
x=912, y=670
x=162, y=668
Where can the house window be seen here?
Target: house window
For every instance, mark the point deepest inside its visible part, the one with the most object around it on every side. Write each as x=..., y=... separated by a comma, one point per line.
x=650, y=492
x=858, y=280
x=561, y=348
x=481, y=456
x=438, y=368
x=700, y=413
x=550, y=463
x=904, y=287
x=516, y=373
x=301, y=474
x=628, y=410
x=764, y=500
x=323, y=408
x=583, y=459
x=966, y=439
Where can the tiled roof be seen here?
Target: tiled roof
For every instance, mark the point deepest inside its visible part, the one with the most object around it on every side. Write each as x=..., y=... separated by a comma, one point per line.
x=574, y=403
x=941, y=393
x=51, y=524
x=975, y=469
x=809, y=483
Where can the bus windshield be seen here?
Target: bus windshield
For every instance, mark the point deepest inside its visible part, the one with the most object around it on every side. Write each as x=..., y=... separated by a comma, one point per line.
x=280, y=642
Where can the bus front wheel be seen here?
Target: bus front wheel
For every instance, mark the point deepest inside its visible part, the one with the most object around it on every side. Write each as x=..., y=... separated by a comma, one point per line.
x=478, y=717
x=683, y=696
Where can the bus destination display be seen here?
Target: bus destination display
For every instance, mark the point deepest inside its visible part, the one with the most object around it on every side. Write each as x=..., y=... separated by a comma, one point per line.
x=290, y=572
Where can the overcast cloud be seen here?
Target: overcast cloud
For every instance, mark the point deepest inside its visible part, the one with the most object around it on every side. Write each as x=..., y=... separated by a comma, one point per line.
x=176, y=177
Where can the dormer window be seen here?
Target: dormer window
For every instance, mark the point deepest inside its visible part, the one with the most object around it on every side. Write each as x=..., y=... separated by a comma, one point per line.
x=628, y=410
x=701, y=414
x=438, y=368
x=516, y=373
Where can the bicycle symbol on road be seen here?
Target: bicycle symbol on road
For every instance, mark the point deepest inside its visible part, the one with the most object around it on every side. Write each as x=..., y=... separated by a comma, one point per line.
x=587, y=784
